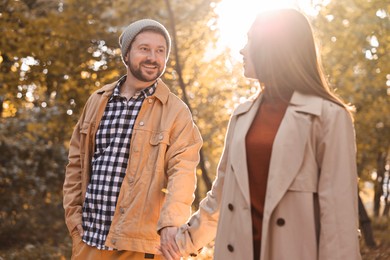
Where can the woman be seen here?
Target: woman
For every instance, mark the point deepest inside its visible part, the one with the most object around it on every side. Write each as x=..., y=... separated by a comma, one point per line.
x=286, y=186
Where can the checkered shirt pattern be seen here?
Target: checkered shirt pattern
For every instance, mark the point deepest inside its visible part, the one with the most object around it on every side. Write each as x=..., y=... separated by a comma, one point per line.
x=109, y=163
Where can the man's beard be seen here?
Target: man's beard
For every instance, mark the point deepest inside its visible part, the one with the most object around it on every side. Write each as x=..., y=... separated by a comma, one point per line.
x=137, y=73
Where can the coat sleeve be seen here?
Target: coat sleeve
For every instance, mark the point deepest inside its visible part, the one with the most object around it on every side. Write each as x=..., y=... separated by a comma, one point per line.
x=202, y=226
x=337, y=190
x=182, y=157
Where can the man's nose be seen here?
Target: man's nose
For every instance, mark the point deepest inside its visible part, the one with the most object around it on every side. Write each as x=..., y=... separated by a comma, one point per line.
x=152, y=55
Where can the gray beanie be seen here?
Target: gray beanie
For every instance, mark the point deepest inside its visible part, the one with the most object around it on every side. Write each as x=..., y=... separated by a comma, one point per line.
x=131, y=31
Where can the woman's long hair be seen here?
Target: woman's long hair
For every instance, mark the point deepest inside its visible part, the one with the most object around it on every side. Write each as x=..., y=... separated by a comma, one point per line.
x=284, y=55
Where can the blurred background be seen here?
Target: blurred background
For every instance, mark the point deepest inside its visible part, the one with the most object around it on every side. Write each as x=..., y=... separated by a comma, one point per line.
x=55, y=53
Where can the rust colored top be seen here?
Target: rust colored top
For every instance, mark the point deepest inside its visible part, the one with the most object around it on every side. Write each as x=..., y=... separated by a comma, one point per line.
x=259, y=141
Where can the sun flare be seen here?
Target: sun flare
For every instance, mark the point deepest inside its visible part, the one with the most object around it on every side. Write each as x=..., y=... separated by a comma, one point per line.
x=236, y=17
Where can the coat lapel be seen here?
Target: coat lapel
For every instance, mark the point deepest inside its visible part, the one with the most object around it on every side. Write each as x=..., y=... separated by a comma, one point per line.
x=244, y=116
x=289, y=147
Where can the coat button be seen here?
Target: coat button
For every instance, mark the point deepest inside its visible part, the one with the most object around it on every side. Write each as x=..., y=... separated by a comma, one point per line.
x=230, y=248
x=230, y=207
x=150, y=100
x=280, y=222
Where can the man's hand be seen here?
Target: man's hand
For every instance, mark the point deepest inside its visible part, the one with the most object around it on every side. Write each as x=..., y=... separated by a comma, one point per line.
x=80, y=230
x=169, y=248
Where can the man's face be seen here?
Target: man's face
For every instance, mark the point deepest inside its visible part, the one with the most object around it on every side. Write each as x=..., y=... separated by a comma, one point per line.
x=146, y=58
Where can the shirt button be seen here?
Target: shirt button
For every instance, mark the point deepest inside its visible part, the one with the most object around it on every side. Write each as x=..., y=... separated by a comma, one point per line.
x=122, y=210
x=141, y=123
x=230, y=248
x=230, y=207
x=280, y=222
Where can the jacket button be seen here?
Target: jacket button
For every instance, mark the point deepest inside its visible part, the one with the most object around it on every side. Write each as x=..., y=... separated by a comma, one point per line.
x=230, y=248
x=280, y=222
x=230, y=207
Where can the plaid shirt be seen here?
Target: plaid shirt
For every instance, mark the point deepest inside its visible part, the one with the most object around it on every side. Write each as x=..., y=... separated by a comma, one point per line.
x=109, y=163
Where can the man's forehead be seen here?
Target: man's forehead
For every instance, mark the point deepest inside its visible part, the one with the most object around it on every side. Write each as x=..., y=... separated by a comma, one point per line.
x=150, y=37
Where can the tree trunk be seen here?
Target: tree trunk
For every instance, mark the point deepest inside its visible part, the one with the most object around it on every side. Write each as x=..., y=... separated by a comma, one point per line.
x=381, y=163
x=1, y=106
x=365, y=225
x=387, y=207
x=182, y=86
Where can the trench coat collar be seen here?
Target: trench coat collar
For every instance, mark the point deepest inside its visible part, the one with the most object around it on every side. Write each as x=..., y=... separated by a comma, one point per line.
x=291, y=139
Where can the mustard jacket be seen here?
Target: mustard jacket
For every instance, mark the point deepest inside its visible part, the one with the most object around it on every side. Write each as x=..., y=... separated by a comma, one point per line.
x=311, y=199
x=160, y=180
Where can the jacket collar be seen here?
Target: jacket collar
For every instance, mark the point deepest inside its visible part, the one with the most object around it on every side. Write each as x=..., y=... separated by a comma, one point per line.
x=161, y=93
x=301, y=103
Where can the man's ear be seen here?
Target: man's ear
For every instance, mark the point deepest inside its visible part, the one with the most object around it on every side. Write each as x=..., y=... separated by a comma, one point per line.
x=127, y=57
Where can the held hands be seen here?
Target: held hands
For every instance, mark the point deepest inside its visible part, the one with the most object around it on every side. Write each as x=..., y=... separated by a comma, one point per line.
x=168, y=246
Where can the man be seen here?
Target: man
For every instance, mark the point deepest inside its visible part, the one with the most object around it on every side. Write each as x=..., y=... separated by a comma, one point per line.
x=132, y=158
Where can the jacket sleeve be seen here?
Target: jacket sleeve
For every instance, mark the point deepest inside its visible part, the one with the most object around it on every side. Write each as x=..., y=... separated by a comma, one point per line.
x=182, y=157
x=337, y=190
x=72, y=189
x=202, y=226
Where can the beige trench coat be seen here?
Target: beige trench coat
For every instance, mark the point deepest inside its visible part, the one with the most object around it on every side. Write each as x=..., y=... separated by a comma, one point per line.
x=311, y=199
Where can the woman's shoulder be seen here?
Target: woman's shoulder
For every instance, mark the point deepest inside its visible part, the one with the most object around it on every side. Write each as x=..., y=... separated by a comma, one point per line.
x=334, y=113
x=332, y=107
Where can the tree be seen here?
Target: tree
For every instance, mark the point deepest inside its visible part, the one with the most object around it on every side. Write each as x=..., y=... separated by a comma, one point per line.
x=52, y=56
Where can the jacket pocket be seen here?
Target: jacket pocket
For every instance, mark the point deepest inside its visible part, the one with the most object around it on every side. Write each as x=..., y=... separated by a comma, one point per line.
x=159, y=142
x=77, y=242
x=158, y=138
x=84, y=141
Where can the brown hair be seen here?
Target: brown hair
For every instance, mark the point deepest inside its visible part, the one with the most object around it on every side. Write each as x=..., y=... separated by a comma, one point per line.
x=284, y=55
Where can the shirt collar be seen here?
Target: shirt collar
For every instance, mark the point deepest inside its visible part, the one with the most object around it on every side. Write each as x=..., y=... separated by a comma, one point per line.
x=146, y=92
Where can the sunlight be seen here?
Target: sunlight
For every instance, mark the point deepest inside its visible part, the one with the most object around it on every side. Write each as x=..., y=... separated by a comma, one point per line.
x=235, y=18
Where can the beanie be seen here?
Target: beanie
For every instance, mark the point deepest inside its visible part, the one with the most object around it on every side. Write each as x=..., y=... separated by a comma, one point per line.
x=131, y=31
